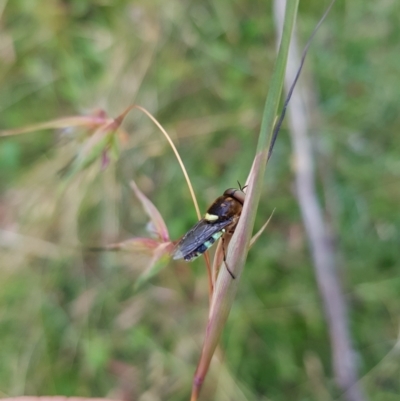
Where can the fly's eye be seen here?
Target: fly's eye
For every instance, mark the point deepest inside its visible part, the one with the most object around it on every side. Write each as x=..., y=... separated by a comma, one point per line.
x=236, y=194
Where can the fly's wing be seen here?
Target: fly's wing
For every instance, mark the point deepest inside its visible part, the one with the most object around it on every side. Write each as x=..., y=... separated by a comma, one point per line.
x=197, y=235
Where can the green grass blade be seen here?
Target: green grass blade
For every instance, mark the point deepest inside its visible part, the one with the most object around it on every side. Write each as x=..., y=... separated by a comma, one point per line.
x=226, y=288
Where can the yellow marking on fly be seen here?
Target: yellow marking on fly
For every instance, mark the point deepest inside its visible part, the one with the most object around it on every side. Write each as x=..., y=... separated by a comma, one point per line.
x=211, y=217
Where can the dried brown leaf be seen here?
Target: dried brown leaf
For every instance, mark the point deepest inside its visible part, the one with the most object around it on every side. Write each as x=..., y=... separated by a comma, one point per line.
x=153, y=213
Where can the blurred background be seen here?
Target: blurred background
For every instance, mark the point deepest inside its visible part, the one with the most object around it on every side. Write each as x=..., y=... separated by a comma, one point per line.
x=70, y=322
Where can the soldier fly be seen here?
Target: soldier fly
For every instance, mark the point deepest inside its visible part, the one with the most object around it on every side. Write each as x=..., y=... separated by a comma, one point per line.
x=221, y=218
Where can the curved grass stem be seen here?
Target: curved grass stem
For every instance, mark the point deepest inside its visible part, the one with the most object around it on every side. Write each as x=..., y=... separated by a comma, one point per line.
x=185, y=174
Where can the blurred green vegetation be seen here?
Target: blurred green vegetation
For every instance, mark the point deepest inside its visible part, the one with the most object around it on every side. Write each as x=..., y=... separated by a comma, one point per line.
x=70, y=321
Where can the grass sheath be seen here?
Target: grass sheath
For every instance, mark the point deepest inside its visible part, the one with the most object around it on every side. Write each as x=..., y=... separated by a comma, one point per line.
x=225, y=288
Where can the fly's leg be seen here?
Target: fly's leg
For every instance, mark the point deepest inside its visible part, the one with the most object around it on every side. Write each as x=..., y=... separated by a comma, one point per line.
x=226, y=265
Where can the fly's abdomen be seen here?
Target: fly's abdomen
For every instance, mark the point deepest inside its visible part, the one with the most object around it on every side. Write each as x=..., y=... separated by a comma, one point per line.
x=203, y=247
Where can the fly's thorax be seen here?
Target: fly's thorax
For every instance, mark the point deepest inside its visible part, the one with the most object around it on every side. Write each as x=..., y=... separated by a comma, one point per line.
x=224, y=208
